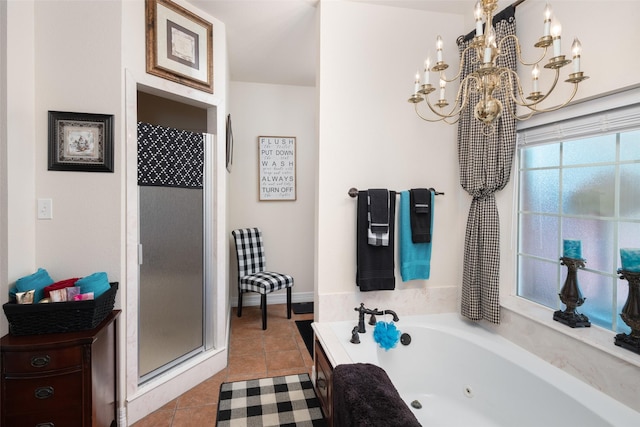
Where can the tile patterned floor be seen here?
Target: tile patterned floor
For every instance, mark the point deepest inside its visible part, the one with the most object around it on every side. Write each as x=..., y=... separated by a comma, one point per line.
x=253, y=353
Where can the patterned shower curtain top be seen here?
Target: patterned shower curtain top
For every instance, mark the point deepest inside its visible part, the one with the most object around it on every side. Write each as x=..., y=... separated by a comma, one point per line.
x=169, y=157
x=485, y=167
x=506, y=16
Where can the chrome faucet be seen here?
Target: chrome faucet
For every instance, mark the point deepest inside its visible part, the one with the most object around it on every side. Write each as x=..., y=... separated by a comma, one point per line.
x=362, y=311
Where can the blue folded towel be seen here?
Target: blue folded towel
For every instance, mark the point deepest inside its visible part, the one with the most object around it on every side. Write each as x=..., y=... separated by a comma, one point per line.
x=415, y=258
x=98, y=283
x=36, y=281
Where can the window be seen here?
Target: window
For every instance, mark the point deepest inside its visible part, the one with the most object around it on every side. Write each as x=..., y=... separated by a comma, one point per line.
x=582, y=186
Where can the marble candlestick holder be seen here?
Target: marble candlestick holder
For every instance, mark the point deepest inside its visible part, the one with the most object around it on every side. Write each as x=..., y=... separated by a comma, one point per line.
x=571, y=296
x=630, y=312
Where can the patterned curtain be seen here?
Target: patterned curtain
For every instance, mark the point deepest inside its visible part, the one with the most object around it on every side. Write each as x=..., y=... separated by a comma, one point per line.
x=169, y=157
x=485, y=167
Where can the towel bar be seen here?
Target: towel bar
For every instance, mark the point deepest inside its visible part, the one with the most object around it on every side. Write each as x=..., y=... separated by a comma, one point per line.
x=353, y=192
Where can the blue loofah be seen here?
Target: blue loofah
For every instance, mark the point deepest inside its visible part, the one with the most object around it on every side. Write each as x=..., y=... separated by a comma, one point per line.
x=386, y=335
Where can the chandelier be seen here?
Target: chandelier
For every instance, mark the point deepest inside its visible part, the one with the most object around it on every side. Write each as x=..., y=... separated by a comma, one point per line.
x=490, y=79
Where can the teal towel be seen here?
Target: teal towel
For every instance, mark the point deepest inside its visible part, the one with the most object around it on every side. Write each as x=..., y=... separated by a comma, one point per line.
x=98, y=283
x=36, y=281
x=415, y=258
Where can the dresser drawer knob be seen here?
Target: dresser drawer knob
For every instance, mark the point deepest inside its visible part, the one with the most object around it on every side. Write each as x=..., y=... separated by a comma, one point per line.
x=44, y=392
x=46, y=425
x=40, y=361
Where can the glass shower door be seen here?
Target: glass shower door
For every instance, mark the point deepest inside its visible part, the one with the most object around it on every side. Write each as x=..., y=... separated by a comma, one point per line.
x=171, y=276
x=172, y=284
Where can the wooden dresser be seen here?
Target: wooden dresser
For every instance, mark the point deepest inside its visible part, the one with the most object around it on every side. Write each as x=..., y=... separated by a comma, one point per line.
x=60, y=380
x=324, y=382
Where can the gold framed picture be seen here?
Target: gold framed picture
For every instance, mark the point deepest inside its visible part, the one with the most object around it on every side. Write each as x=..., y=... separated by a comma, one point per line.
x=179, y=45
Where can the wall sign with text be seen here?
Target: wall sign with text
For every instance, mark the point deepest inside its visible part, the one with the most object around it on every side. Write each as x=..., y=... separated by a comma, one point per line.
x=277, y=176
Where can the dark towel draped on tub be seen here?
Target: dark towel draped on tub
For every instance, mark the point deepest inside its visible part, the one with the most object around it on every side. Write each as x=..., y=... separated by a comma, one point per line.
x=364, y=396
x=375, y=264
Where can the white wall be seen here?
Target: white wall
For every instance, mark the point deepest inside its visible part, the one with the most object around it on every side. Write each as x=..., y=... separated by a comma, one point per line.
x=90, y=57
x=19, y=181
x=369, y=137
x=3, y=152
x=287, y=226
x=84, y=235
x=609, y=34
x=141, y=400
x=44, y=73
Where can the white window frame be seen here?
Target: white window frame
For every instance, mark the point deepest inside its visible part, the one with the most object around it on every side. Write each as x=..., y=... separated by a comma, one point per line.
x=612, y=112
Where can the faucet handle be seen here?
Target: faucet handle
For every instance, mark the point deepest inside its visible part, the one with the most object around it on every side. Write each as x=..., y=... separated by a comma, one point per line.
x=355, y=338
x=372, y=319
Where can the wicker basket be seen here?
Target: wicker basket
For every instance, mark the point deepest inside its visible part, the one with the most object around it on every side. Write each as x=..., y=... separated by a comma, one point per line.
x=51, y=318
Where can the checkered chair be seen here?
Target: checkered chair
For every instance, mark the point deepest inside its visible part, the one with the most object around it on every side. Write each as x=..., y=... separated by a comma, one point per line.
x=252, y=274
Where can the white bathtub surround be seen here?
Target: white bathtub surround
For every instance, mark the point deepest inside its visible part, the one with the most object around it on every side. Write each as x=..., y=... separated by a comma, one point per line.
x=589, y=354
x=454, y=366
x=406, y=299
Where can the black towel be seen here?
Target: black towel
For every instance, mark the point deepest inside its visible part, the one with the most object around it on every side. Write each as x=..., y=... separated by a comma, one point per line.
x=364, y=396
x=375, y=269
x=420, y=215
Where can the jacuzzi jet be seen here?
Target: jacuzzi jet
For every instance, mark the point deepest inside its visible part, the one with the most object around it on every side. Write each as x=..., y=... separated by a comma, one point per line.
x=405, y=339
x=468, y=391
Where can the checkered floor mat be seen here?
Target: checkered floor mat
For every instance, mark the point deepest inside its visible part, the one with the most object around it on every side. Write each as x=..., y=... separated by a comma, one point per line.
x=278, y=401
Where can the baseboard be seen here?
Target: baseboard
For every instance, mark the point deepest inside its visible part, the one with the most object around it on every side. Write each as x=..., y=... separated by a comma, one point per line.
x=253, y=298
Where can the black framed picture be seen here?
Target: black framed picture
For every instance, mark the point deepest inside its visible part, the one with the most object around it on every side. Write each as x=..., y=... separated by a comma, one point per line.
x=80, y=142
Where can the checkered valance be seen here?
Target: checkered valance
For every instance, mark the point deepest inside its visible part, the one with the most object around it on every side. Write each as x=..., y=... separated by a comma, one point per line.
x=485, y=167
x=170, y=157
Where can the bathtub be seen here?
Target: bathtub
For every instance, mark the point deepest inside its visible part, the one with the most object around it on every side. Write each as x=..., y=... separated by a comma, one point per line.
x=464, y=375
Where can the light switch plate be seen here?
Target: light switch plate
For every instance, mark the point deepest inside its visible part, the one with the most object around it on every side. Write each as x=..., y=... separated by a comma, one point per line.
x=45, y=209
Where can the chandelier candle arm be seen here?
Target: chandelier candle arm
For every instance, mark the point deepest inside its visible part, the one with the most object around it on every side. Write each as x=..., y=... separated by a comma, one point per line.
x=440, y=119
x=535, y=74
x=547, y=20
x=576, y=49
x=478, y=15
x=454, y=112
x=536, y=97
x=488, y=79
x=533, y=106
x=537, y=109
x=460, y=67
x=427, y=119
x=443, y=84
x=556, y=31
x=519, y=51
x=427, y=65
